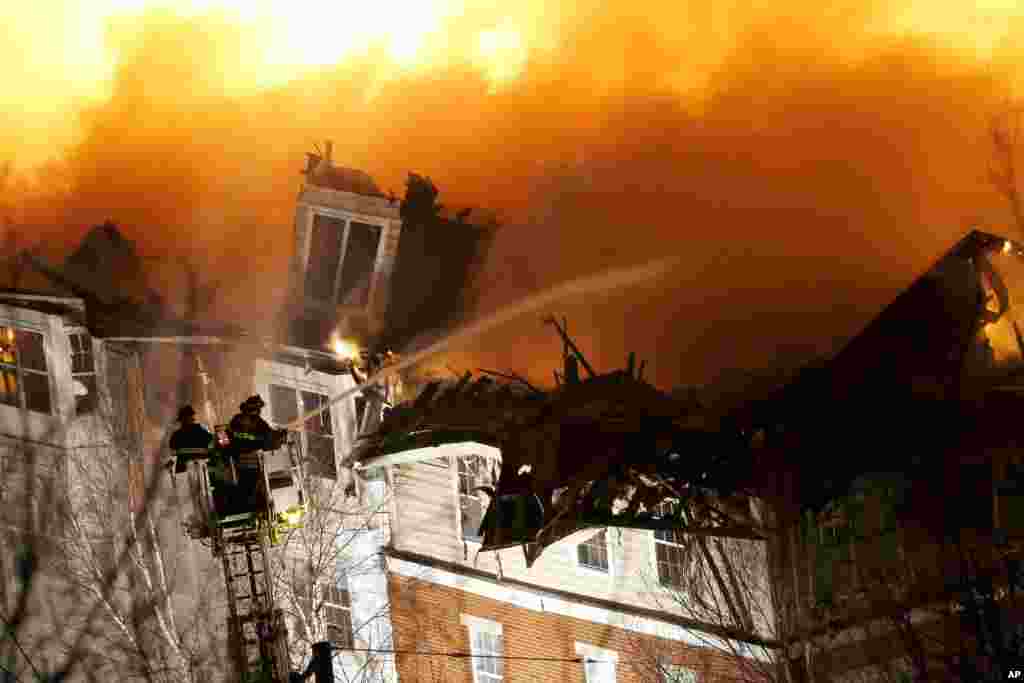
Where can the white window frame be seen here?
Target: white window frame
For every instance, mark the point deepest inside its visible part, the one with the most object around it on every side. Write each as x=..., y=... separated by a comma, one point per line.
x=307, y=257
x=94, y=353
x=654, y=542
x=326, y=604
x=593, y=653
x=51, y=367
x=303, y=437
x=493, y=457
x=268, y=372
x=591, y=571
x=476, y=625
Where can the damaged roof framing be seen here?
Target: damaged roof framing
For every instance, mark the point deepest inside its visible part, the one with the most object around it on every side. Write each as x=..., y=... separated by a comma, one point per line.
x=607, y=450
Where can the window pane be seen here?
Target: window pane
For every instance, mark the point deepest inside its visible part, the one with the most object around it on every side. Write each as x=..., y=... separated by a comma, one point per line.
x=357, y=269
x=670, y=564
x=30, y=350
x=86, y=403
x=81, y=353
x=593, y=553
x=324, y=257
x=339, y=625
x=284, y=405
x=8, y=387
x=472, y=515
x=320, y=458
x=280, y=480
x=37, y=392
x=321, y=424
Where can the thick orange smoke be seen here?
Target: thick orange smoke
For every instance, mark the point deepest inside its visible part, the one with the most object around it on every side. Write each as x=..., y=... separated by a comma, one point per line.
x=805, y=163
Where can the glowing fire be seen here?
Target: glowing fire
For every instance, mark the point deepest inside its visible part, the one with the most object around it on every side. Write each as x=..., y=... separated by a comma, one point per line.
x=345, y=348
x=291, y=37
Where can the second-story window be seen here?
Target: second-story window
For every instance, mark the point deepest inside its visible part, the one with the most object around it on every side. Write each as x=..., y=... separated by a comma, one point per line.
x=317, y=435
x=24, y=375
x=83, y=373
x=669, y=553
x=337, y=614
x=332, y=603
x=474, y=471
x=487, y=646
x=593, y=553
x=342, y=257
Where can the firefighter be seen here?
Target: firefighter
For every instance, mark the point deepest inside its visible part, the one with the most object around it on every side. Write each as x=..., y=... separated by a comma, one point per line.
x=250, y=432
x=190, y=442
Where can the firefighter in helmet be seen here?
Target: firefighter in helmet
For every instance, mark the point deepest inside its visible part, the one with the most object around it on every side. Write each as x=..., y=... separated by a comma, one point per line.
x=250, y=432
x=190, y=441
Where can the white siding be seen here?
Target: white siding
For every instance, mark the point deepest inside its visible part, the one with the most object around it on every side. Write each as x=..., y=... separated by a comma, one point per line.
x=426, y=505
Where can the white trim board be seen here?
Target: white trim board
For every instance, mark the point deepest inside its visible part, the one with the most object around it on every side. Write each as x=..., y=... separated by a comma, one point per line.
x=536, y=602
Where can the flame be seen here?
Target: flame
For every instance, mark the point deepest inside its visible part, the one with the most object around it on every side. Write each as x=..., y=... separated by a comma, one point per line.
x=291, y=38
x=345, y=348
x=503, y=53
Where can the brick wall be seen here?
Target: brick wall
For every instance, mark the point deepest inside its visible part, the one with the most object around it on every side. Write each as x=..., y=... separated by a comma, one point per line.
x=426, y=617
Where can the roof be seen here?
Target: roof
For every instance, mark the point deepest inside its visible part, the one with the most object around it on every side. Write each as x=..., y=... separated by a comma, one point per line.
x=44, y=302
x=895, y=393
x=344, y=179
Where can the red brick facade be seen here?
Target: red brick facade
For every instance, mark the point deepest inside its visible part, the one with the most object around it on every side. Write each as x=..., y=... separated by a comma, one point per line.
x=426, y=617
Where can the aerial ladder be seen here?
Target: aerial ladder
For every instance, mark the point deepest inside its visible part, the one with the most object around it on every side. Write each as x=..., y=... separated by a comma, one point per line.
x=240, y=528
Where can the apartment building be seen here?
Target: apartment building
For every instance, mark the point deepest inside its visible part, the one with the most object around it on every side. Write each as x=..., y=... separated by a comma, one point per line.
x=595, y=607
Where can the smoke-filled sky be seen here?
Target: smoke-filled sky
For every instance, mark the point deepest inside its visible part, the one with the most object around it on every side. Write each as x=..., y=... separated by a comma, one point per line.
x=803, y=162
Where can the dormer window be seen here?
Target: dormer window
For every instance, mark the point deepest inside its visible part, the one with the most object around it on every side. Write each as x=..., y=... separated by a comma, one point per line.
x=342, y=257
x=24, y=375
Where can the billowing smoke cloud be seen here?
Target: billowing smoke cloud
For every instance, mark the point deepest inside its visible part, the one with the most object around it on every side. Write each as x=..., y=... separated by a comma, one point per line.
x=804, y=165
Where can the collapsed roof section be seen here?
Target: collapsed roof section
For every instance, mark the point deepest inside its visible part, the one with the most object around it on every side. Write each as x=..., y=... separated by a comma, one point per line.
x=604, y=450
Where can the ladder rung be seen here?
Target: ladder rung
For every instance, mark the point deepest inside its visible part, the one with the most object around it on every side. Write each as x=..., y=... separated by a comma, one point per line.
x=252, y=573
x=249, y=597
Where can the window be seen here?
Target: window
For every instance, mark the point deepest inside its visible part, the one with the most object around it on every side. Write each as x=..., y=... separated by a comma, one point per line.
x=317, y=438
x=83, y=373
x=335, y=608
x=342, y=257
x=669, y=553
x=598, y=664
x=24, y=378
x=337, y=612
x=593, y=552
x=280, y=480
x=676, y=673
x=487, y=646
x=474, y=471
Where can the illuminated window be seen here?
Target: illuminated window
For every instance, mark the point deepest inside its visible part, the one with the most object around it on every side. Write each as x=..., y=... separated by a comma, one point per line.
x=474, y=471
x=486, y=644
x=83, y=373
x=593, y=552
x=24, y=377
x=342, y=260
x=669, y=553
x=317, y=438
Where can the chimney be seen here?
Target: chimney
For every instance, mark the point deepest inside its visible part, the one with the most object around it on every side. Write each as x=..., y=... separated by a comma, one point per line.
x=326, y=163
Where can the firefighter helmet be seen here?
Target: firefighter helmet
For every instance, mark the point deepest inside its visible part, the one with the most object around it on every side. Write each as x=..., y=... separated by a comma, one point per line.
x=185, y=413
x=253, y=404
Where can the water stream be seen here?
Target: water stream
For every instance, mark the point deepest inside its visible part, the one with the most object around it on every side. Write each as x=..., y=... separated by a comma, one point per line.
x=607, y=280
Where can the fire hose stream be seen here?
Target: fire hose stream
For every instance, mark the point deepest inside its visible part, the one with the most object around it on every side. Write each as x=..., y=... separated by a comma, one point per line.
x=613, y=279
